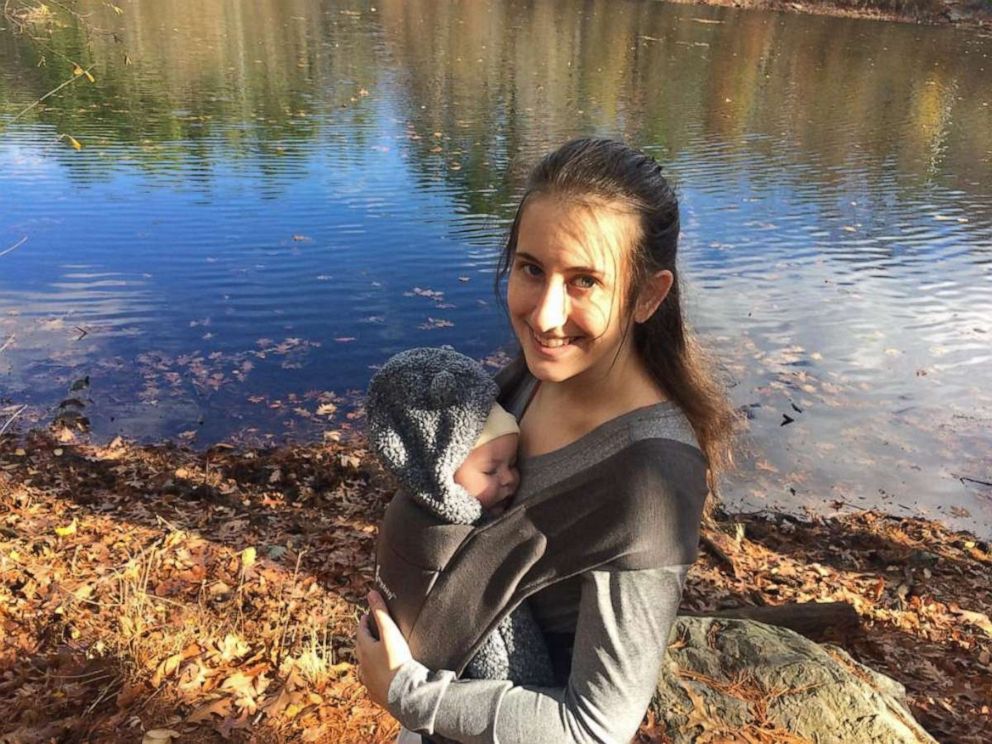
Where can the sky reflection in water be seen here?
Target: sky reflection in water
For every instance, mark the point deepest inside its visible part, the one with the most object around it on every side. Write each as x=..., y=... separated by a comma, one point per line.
x=272, y=198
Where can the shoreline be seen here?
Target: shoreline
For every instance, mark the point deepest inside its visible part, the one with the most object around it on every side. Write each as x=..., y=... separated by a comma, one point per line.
x=958, y=13
x=215, y=593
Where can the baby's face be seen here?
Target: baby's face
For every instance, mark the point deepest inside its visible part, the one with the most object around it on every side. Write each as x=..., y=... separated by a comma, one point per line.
x=489, y=473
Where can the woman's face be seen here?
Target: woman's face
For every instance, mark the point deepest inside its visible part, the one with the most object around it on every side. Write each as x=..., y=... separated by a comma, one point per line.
x=565, y=288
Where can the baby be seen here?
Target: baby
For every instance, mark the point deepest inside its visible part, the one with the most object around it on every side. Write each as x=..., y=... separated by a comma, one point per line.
x=434, y=423
x=489, y=473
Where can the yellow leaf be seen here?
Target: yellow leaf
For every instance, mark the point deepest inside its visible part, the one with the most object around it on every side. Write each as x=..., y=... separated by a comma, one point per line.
x=248, y=557
x=231, y=647
x=76, y=144
x=77, y=70
x=69, y=529
x=117, y=9
x=166, y=669
x=89, y=76
x=239, y=683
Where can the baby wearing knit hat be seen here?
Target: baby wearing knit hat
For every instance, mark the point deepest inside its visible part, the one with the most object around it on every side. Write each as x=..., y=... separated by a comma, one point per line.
x=435, y=424
x=489, y=473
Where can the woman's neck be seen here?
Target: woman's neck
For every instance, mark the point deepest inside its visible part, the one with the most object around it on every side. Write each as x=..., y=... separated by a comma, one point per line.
x=582, y=403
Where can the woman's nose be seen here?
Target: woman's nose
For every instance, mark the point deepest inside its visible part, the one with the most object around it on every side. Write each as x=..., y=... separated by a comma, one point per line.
x=552, y=307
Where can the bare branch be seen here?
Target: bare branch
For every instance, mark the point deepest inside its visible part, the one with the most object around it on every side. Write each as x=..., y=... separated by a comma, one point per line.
x=53, y=91
x=16, y=413
x=18, y=244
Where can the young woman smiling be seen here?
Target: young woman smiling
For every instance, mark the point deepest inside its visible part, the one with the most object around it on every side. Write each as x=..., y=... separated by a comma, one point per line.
x=612, y=394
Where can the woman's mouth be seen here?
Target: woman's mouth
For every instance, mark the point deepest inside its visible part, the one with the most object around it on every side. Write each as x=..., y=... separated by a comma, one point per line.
x=553, y=344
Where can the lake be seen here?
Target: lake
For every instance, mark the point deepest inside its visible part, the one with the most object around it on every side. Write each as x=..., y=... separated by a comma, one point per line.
x=252, y=204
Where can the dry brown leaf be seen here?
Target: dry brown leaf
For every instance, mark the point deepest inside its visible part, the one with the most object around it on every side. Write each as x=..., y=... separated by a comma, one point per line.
x=159, y=736
x=166, y=669
x=218, y=707
x=978, y=619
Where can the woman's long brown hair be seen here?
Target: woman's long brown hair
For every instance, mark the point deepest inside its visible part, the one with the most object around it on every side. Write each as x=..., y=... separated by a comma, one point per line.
x=610, y=172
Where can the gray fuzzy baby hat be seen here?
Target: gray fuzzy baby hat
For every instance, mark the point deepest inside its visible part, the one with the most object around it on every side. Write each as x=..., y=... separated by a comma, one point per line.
x=426, y=408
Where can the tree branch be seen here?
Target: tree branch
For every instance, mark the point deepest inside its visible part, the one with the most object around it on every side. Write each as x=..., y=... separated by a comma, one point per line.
x=18, y=244
x=16, y=413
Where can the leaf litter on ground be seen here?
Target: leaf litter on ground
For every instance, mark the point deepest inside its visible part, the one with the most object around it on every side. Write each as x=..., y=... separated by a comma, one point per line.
x=149, y=591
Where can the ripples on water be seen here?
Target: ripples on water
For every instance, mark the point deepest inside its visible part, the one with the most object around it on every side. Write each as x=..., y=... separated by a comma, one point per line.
x=272, y=199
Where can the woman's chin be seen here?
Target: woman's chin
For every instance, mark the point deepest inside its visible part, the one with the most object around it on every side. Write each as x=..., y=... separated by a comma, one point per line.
x=548, y=370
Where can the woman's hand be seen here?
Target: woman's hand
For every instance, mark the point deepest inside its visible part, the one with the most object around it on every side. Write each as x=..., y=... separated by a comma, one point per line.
x=378, y=661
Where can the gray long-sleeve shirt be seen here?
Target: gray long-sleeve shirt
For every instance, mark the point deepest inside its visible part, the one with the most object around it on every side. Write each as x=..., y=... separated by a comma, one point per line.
x=621, y=620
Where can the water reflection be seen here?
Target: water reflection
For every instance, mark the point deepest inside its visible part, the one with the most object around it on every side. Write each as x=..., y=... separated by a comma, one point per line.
x=273, y=196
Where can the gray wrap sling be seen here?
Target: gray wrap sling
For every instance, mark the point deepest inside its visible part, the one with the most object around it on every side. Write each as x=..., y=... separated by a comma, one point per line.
x=447, y=586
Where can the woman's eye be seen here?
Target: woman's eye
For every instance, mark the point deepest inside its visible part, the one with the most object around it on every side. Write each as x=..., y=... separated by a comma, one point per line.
x=529, y=269
x=585, y=282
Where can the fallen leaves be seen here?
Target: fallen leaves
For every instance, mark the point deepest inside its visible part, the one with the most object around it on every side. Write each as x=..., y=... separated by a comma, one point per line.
x=220, y=706
x=434, y=323
x=206, y=615
x=978, y=619
x=908, y=579
x=69, y=529
x=159, y=736
x=73, y=142
x=165, y=669
x=198, y=596
x=435, y=295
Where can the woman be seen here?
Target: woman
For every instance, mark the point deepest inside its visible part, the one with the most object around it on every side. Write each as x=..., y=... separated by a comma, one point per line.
x=593, y=297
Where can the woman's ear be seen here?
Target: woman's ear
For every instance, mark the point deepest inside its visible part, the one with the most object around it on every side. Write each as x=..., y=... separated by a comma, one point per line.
x=653, y=293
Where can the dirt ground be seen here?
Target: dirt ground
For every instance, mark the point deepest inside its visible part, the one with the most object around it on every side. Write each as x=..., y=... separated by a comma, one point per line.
x=153, y=592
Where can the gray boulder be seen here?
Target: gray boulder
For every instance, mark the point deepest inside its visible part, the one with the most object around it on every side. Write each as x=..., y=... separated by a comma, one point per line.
x=725, y=679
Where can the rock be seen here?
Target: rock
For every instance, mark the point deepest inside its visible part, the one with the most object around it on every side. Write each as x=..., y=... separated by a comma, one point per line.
x=725, y=678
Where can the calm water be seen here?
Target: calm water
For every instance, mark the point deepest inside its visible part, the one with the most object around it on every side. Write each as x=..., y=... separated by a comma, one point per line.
x=272, y=197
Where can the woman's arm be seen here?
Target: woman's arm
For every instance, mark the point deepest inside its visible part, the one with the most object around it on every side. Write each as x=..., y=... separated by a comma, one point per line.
x=625, y=618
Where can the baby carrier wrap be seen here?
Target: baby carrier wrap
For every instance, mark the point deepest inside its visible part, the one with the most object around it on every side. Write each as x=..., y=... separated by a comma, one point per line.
x=426, y=409
x=639, y=508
